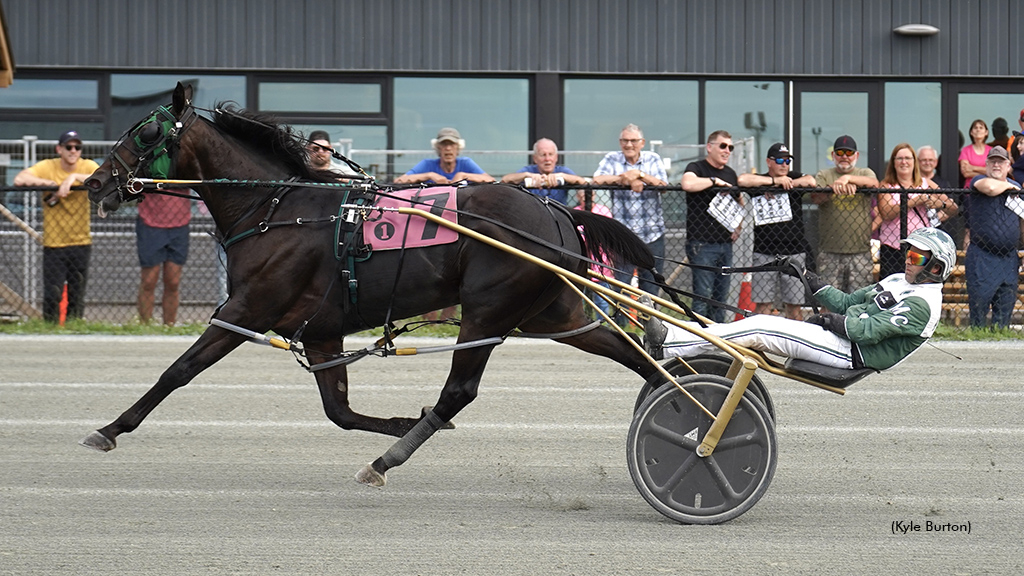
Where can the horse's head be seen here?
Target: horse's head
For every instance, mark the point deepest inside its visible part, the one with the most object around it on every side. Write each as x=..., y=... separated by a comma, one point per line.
x=148, y=149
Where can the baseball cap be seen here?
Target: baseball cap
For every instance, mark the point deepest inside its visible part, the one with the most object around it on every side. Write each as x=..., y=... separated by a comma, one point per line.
x=69, y=136
x=998, y=152
x=319, y=135
x=845, y=143
x=779, y=150
x=1022, y=115
x=448, y=135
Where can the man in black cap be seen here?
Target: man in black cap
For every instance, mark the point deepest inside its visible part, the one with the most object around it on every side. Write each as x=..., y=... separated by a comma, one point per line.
x=844, y=219
x=778, y=231
x=67, y=238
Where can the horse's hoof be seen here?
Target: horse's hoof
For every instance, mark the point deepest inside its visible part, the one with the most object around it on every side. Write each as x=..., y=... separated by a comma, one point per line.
x=98, y=441
x=371, y=477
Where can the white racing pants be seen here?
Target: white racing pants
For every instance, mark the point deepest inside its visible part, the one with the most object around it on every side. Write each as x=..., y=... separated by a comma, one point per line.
x=765, y=333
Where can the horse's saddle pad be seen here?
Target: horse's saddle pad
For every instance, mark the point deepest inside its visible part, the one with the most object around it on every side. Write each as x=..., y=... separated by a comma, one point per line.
x=393, y=230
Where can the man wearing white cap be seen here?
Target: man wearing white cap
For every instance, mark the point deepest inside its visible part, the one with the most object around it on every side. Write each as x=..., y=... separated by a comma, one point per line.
x=448, y=167
x=67, y=239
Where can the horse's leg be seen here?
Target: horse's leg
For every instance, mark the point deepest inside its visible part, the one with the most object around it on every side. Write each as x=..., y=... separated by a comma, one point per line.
x=214, y=344
x=566, y=313
x=333, y=385
x=459, y=390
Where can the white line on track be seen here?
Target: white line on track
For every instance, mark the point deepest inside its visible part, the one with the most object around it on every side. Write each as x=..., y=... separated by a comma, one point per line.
x=917, y=395
x=532, y=426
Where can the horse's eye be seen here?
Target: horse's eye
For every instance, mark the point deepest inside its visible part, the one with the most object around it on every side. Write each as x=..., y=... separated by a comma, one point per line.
x=149, y=133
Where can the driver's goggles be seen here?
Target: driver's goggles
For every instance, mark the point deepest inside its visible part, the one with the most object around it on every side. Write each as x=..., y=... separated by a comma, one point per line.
x=915, y=258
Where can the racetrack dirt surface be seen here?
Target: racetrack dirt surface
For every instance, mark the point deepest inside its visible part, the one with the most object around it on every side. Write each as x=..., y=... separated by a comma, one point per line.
x=241, y=473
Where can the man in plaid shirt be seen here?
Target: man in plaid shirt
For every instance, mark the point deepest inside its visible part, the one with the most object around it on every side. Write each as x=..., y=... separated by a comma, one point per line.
x=639, y=207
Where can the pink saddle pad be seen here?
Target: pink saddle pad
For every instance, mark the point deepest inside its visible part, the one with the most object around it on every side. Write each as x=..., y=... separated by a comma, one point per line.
x=396, y=230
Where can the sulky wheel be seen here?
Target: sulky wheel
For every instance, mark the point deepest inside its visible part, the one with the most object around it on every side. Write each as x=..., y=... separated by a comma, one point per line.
x=661, y=453
x=714, y=364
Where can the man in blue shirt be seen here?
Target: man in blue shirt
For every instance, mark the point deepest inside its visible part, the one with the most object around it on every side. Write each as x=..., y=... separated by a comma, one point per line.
x=448, y=167
x=993, y=232
x=545, y=173
x=638, y=207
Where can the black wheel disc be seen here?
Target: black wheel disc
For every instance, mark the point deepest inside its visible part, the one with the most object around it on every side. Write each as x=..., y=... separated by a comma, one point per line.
x=663, y=462
x=713, y=364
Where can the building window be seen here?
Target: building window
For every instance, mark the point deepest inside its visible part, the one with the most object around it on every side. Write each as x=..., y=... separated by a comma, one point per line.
x=913, y=114
x=38, y=94
x=596, y=111
x=747, y=109
x=320, y=97
x=489, y=113
x=134, y=95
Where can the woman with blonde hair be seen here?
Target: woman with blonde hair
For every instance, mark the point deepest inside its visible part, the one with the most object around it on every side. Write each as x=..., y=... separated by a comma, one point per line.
x=904, y=172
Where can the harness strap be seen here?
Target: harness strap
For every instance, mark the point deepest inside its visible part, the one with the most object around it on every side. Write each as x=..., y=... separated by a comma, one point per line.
x=556, y=335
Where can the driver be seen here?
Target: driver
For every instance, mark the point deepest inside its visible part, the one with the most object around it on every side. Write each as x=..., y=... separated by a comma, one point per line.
x=875, y=327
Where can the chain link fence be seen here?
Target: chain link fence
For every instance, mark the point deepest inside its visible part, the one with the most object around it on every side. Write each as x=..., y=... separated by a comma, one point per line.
x=113, y=272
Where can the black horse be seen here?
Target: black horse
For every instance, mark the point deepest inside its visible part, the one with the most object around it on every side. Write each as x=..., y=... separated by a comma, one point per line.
x=285, y=278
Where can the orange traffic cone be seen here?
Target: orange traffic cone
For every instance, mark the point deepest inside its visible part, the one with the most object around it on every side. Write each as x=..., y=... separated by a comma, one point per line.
x=745, y=302
x=64, y=306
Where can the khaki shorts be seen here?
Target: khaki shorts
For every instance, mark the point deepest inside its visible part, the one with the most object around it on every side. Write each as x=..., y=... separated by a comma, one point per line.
x=775, y=287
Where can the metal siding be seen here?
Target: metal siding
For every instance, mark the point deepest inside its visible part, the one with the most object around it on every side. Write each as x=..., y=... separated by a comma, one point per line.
x=788, y=53
x=818, y=34
x=788, y=37
x=700, y=33
x=877, y=37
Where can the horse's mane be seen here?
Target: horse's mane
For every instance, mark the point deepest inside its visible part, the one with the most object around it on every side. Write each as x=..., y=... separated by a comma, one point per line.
x=267, y=133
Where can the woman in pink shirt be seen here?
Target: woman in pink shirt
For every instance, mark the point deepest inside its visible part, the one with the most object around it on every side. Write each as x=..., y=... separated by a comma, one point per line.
x=904, y=172
x=972, y=157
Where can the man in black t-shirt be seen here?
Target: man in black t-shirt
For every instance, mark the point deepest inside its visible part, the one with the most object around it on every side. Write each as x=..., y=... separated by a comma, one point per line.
x=778, y=231
x=708, y=241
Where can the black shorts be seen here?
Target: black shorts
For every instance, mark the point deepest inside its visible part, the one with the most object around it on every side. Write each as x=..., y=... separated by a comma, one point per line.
x=159, y=245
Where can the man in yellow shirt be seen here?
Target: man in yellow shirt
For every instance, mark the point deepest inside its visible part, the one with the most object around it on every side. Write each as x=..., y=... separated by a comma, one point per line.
x=67, y=242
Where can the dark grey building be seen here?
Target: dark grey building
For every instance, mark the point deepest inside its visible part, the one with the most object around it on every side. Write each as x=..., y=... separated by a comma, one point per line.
x=389, y=73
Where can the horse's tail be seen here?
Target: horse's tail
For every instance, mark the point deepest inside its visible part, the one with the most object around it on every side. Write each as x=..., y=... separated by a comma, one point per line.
x=603, y=234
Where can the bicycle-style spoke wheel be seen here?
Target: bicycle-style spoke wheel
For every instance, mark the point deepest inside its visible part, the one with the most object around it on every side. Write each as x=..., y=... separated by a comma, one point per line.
x=663, y=462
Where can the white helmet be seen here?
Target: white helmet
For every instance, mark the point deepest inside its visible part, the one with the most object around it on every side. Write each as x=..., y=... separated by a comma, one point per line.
x=942, y=248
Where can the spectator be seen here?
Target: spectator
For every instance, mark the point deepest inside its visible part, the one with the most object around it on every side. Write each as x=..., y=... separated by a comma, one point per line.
x=844, y=219
x=708, y=241
x=1000, y=133
x=162, y=235
x=448, y=167
x=928, y=160
x=639, y=207
x=1016, y=154
x=67, y=239
x=994, y=231
x=781, y=235
x=875, y=327
x=904, y=173
x=545, y=173
x=972, y=157
x=320, y=150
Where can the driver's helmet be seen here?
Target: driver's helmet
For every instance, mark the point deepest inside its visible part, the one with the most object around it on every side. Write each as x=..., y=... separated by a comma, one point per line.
x=942, y=248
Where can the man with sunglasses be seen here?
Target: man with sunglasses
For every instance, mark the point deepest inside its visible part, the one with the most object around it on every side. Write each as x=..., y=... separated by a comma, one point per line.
x=708, y=241
x=875, y=327
x=67, y=238
x=778, y=231
x=993, y=233
x=319, y=149
x=844, y=219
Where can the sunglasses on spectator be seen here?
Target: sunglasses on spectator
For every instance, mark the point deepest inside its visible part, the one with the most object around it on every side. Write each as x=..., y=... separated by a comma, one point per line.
x=844, y=153
x=72, y=147
x=318, y=148
x=723, y=146
x=781, y=161
x=915, y=258
x=633, y=141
